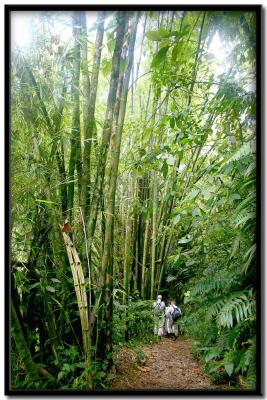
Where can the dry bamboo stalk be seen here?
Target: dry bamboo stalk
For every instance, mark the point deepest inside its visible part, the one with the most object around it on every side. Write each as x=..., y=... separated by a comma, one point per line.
x=79, y=282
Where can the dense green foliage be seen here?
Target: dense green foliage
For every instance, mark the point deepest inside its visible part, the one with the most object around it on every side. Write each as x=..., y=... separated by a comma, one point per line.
x=132, y=173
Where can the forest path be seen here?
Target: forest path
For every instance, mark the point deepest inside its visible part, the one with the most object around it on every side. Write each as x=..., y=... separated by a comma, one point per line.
x=167, y=364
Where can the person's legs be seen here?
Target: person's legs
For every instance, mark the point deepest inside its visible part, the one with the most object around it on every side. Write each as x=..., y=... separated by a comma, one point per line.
x=168, y=326
x=175, y=331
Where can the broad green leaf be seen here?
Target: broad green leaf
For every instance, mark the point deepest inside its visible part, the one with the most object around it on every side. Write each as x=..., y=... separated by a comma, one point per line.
x=154, y=35
x=176, y=219
x=159, y=57
x=229, y=367
x=34, y=285
x=175, y=33
x=170, y=278
x=195, y=212
x=184, y=240
x=55, y=280
x=164, y=33
x=211, y=354
x=175, y=52
x=111, y=44
x=172, y=122
x=164, y=169
x=193, y=194
x=142, y=152
x=106, y=67
x=234, y=196
x=235, y=245
x=50, y=289
x=61, y=375
x=189, y=263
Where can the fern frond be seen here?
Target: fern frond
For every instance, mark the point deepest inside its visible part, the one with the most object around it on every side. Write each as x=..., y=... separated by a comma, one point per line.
x=243, y=217
x=234, y=333
x=222, y=342
x=238, y=306
x=251, y=168
x=207, y=285
x=249, y=256
x=248, y=201
x=245, y=150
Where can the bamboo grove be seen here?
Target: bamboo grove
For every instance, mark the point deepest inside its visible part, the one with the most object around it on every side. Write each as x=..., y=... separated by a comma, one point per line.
x=132, y=174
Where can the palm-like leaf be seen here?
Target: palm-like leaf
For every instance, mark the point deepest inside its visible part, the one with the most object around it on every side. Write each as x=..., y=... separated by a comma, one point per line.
x=238, y=306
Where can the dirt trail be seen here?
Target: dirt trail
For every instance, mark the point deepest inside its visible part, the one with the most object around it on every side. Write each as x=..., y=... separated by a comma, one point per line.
x=166, y=365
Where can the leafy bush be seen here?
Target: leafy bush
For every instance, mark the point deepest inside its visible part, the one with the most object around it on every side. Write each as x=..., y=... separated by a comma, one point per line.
x=219, y=295
x=137, y=319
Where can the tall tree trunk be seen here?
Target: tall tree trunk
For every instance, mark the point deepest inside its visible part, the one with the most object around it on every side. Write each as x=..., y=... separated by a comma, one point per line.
x=90, y=93
x=196, y=63
x=141, y=48
x=144, y=259
x=60, y=153
x=154, y=234
x=75, y=128
x=103, y=148
x=107, y=259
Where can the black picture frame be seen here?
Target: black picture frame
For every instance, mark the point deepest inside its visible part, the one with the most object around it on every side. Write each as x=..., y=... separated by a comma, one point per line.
x=259, y=161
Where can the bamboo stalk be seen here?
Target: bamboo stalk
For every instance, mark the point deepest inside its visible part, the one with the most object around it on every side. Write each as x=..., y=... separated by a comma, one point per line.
x=22, y=347
x=144, y=260
x=79, y=286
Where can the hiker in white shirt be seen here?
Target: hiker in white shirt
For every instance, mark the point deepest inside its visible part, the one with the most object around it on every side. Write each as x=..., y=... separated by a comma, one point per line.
x=171, y=326
x=159, y=316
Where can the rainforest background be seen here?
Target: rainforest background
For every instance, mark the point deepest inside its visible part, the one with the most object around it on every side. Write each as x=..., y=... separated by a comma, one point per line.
x=132, y=159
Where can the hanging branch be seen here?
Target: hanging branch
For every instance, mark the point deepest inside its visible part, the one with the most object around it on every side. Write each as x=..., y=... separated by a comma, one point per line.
x=54, y=127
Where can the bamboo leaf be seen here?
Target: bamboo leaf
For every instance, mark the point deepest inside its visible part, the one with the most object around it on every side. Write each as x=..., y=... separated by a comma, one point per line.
x=176, y=219
x=164, y=169
x=154, y=35
x=229, y=367
x=34, y=285
x=55, y=280
x=45, y=201
x=159, y=57
x=172, y=122
x=50, y=289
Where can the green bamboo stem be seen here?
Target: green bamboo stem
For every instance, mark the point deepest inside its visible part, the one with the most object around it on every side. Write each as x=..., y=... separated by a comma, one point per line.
x=22, y=347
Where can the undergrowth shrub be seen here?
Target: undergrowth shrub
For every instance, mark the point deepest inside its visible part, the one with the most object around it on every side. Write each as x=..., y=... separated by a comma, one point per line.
x=137, y=319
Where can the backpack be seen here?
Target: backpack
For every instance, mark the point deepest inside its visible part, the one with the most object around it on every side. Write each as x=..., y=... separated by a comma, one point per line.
x=176, y=313
x=157, y=308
